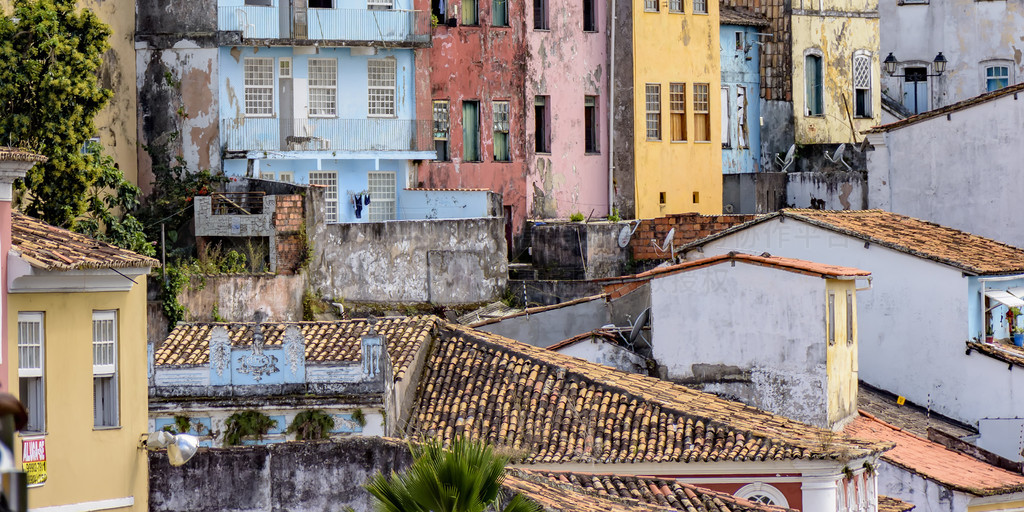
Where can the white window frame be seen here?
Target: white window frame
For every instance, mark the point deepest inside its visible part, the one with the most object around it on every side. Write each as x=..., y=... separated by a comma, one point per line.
x=328, y=179
x=322, y=87
x=808, y=85
x=264, y=175
x=995, y=64
x=380, y=87
x=106, y=413
x=753, y=490
x=286, y=177
x=652, y=104
x=284, y=67
x=258, y=86
x=32, y=367
x=380, y=5
x=862, y=81
x=700, y=6
x=702, y=110
x=382, y=187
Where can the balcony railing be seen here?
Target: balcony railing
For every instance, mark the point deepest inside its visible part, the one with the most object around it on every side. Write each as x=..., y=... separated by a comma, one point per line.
x=358, y=25
x=391, y=26
x=255, y=22
x=327, y=134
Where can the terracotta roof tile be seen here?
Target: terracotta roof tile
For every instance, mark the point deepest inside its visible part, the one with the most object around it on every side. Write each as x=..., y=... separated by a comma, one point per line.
x=607, y=335
x=949, y=109
x=738, y=16
x=890, y=504
x=556, y=408
x=909, y=416
x=936, y=462
x=52, y=248
x=660, y=493
x=19, y=155
x=189, y=344
x=965, y=251
x=553, y=496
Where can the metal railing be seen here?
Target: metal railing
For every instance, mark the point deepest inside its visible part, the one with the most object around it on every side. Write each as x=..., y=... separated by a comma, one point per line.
x=327, y=134
x=385, y=25
x=254, y=22
x=237, y=203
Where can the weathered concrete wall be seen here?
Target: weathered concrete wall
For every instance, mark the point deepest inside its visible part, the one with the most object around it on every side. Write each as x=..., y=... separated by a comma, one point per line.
x=776, y=363
x=459, y=261
x=548, y=292
x=971, y=35
x=753, y=193
x=909, y=171
x=546, y=328
x=924, y=493
x=482, y=63
x=623, y=111
x=833, y=190
x=577, y=250
x=281, y=477
x=239, y=297
x=596, y=350
x=565, y=64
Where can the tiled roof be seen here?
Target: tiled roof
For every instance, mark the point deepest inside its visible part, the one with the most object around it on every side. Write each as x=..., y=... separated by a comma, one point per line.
x=189, y=344
x=538, y=309
x=936, y=462
x=52, y=248
x=909, y=416
x=19, y=155
x=965, y=251
x=606, y=335
x=890, y=504
x=949, y=109
x=555, y=408
x=739, y=16
x=788, y=264
x=660, y=492
x=552, y=497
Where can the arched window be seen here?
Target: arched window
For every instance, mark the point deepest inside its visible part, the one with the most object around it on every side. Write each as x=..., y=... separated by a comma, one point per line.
x=760, y=492
x=813, y=101
x=861, y=84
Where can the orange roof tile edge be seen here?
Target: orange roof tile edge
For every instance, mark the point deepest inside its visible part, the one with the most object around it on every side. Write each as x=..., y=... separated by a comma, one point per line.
x=20, y=155
x=596, y=333
x=934, y=461
x=779, y=262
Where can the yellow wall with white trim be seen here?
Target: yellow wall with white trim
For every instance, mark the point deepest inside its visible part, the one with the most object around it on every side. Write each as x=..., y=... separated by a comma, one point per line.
x=841, y=356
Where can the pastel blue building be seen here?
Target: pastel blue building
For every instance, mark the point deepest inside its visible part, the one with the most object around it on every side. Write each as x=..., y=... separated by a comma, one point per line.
x=325, y=93
x=741, y=106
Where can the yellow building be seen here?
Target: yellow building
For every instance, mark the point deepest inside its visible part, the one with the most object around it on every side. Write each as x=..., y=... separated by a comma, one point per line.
x=116, y=125
x=841, y=353
x=835, y=60
x=677, y=144
x=77, y=350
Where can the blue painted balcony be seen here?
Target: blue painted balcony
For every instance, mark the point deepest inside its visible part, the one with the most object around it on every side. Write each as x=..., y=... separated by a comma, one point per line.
x=342, y=25
x=327, y=134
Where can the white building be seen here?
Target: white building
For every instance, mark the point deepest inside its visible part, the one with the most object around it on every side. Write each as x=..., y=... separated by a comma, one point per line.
x=980, y=41
x=958, y=166
x=927, y=302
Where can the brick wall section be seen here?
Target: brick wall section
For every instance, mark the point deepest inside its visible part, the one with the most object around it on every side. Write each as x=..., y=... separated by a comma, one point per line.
x=288, y=219
x=689, y=227
x=776, y=60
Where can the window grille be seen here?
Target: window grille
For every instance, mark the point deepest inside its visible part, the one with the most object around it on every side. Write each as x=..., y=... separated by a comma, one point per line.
x=677, y=109
x=259, y=86
x=651, y=5
x=381, y=74
x=327, y=179
x=675, y=5
x=700, y=6
x=653, y=102
x=382, y=195
x=323, y=87
x=104, y=368
x=702, y=112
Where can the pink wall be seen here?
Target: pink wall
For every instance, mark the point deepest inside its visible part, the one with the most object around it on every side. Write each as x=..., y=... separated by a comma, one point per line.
x=565, y=64
x=5, y=247
x=481, y=63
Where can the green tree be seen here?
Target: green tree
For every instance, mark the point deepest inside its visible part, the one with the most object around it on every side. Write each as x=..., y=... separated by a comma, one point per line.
x=50, y=57
x=464, y=477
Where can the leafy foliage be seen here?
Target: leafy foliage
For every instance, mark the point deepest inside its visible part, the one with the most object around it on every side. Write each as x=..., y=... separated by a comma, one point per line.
x=50, y=57
x=464, y=477
x=576, y=217
x=246, y=424
x=312, y=424
x=183, y=424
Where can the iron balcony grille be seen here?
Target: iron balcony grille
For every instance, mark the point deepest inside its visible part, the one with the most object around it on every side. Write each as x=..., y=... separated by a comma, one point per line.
x=327, y=134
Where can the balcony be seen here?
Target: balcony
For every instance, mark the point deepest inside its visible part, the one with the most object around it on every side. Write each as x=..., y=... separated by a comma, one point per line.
x=327, y=134
x=343, y=25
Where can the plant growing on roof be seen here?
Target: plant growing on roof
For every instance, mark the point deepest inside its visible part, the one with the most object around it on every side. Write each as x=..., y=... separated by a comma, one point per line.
x=576, y=217
x=311, y=424
x=357, y=416
x=246, y=424
x=466, y=476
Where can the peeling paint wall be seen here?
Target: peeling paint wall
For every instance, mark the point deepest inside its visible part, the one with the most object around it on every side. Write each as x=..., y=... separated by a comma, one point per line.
x=176, y=57
x=688, y=174
x=238, y=298
x=834, y=30
x=741, y=82
x=565, y=64
x=972, y=35
x=829, y=190
x=926, y=494
x=290, y=476
x=623, y=110
x=776, y=362
x=481, y=63
x=438, y=261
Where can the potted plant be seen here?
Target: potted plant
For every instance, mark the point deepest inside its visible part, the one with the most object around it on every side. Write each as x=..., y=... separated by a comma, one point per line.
x=1018, y=336
x=989, y=334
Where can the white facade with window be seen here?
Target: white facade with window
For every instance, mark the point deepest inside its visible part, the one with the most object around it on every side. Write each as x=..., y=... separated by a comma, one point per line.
x=259, y=86
x=381, y=87
x=382, y=188
x=323, y=87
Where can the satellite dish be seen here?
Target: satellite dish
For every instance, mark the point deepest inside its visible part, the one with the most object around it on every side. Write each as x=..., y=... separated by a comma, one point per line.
x=641, y=321
x=788, y=161
x=728, y=208
x=666, y=245
x=837, y=156
x=625, y=234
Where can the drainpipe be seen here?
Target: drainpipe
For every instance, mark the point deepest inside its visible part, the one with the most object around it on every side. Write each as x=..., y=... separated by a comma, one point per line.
x=611, y=117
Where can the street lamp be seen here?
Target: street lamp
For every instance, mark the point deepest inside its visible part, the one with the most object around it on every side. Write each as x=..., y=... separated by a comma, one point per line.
x=180, y=447
x=939, y=65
